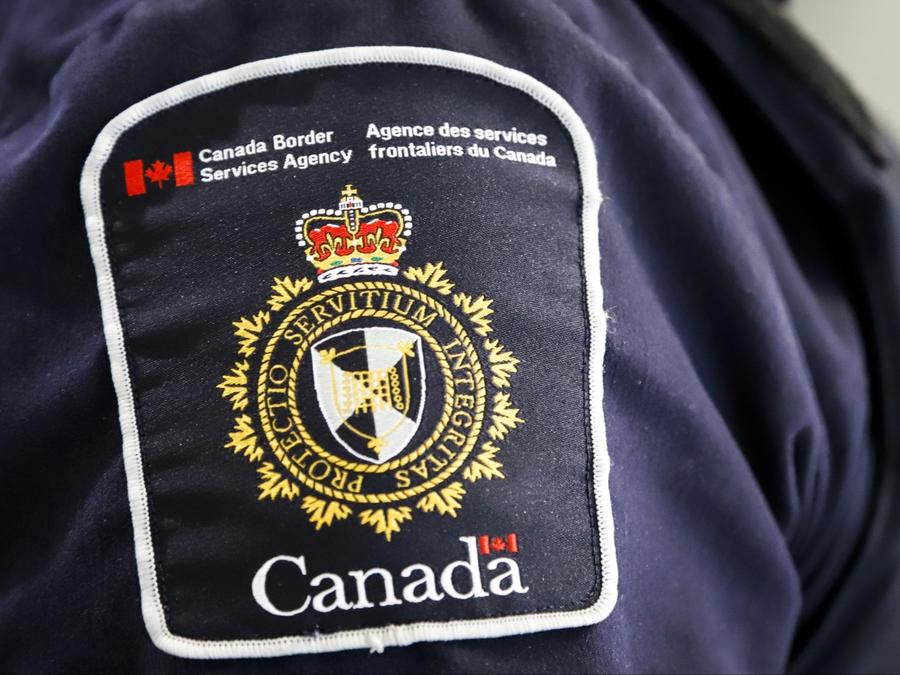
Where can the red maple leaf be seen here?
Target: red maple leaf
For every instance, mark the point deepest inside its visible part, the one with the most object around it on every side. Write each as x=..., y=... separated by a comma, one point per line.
x=497, y=544
x=158, y=172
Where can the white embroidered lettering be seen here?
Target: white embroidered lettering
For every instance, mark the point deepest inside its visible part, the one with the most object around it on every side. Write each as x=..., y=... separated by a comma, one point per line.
x=259, y=585
x=459, y=579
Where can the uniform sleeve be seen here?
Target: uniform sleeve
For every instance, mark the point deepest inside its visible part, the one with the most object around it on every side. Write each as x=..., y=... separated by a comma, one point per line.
x=737, y=370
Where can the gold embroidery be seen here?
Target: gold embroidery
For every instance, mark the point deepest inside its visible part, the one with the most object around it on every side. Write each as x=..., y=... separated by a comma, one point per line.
x=286, y=289
x=478, y=309
x=324, y=513
x=359, y=349
x=445, y=501
x=502, y=362
x=386, y=521
x=484, y=465
x=504, y=417
x=432, y=275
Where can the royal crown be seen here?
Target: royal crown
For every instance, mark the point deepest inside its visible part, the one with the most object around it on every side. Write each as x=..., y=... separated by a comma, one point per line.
x=354, y=239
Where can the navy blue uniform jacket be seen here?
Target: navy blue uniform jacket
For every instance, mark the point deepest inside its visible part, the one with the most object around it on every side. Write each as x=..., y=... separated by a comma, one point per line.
x=750, y=237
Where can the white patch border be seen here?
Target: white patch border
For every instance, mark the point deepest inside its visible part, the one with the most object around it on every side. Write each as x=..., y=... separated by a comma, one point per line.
x=392, y=635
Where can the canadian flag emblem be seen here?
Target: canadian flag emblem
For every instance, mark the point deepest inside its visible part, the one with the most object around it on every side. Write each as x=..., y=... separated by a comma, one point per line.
x=488, y=545
x=137, y=176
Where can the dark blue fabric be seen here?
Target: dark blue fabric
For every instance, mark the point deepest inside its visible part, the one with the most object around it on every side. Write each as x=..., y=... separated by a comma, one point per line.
x=752, y=275
x=839, y=215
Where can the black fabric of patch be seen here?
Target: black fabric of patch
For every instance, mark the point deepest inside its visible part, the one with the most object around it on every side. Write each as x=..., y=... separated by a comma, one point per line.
x=191, y=260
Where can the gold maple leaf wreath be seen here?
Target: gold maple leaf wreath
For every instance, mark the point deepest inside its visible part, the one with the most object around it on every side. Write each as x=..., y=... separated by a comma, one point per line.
x=445, y=500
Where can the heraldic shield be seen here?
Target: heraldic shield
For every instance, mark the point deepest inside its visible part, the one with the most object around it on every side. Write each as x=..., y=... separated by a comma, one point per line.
x=370, y=384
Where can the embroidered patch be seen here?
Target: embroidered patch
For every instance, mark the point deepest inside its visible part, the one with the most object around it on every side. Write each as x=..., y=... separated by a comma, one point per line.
x=357, y=348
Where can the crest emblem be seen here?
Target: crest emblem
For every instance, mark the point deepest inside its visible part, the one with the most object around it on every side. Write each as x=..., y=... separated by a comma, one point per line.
x=329, y=388
x=370, y=384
